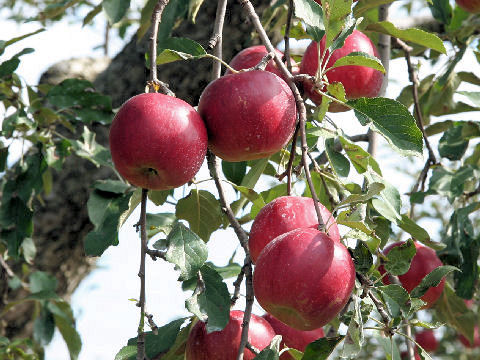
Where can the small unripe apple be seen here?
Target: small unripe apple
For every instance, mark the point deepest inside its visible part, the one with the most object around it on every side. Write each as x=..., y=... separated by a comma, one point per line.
x=304, y=278
x=157, y=141
x=471, y=6
x=249, y=115
x=358, y=81
x=476, y=339
x=426, y=339
x=293, y=338
x=423, y=263
x=284, y=214
x=223, y=345
x=251, y=56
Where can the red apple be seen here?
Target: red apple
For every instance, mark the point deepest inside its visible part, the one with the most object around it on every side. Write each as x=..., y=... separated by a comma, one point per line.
x=426, y=339
x=472, y=6
x=223, y=345
x=476, y=339
x=284, y=214
x=304, y=278
x=249, y=115
x=157, y=142
x=424, y=262
x=291, y=337
x=358, y=81
x=251, y=56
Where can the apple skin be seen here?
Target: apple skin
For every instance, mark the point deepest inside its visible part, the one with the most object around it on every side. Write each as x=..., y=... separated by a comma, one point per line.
x=157, y=142
x=223, y=345
x=476, y=339
x=284, y=214
x=426, y=339
x=358, y=81
x=424, y=262
x=291, y=337
x=471, y=6
x=304, y=278
x=251, y=56
x=249, y=115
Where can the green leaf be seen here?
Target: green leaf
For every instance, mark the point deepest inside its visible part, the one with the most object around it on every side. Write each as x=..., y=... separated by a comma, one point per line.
x=362, y=258
x=104, y=211
x=113, y=186
x=360, y=158
x=271, y=352
x=312, y=15
x=126, y=352
x=322, y=348
x=360, y=59
x=158, y=197
x=70, y=335
x=392, y=120
x=441, y=11
x=473, y=96
x=91, y=14
x=162, y=222
x=193, y=7
x=89, y=149
x=400, y=257
x=234, y=171
x=202, y=211
x=177, y=350
x=163, y=341
x=418, y=233
x=364, y=6
x=228, y=271
x=254, y=173
x=389, y=203
x=41, y=281
x=432, y=279
x=186, y=250
x=338, y=91
x=115, y=9
x=415, y=36
x=389, y=345
x=374, y=189
x=354, y=339
x=44, y=327
x=340, y=163
x=396, y=298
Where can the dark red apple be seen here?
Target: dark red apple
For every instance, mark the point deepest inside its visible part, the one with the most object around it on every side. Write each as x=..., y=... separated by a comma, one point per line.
x=251, y=56
x=223, y=345
x=249, y=115
x=304, y=278
x=284, y=214
x=157, y=142
x=358, y=81
x=476, y=339
x=291, y=337
x=426, y=339
x=471, y=6
x=424, y=262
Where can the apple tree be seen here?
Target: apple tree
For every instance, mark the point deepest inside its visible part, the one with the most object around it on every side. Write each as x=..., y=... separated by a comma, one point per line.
x=340, y=260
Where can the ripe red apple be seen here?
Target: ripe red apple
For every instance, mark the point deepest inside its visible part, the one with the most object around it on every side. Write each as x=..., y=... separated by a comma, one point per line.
x=249, y=115
x=291, y=337
x=358, y=81
x=472, y=6
x=424, y=262
x=426, y=339
x=251, y=56
x=304, y=278
x=157, y=142
x=223, y=345
x=284, y=214
x=476, y=339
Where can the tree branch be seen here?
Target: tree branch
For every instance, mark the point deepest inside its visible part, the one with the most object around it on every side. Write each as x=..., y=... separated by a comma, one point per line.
x=216, y=39
x=286, y=53
x=141, y=275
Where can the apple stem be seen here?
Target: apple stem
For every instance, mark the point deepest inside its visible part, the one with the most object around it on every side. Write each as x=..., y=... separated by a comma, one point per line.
x=302, y=112
x=286, y=53
x=141, y=275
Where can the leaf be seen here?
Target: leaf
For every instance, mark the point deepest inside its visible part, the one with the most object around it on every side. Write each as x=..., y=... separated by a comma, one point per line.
x=44, y=327
x=202, y=211
x=113, y=186
x=432, y=279
x=340, y=163
x=322, y=348
x=399, y=258
x=89, y=149
x=392, y=120
x=360, y=158
x=234, y=171
x=360, y=59
x=254, y=173
x=418, y=233
x=354, y=338
x=169, y=55
x=115, y=9
x=162, y=222
x=158, y=197
x=70, y=335
x=473, y=96
x=228, y=271
x=441, y=11
x=415, y=36
x=271, y=352
x=362, y=258
x=396, y=298
x=186, y=250
x=364, y=6
x=311, y=13
x=41, y=281
x=126, y=352
x=374, y=189
x=193, y=7
x=91, y=14
x=389, y=203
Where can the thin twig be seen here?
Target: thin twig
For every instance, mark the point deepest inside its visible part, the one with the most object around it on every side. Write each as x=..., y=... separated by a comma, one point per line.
x=367, y=284
x=141, y=275
x=7, y=268
x=249, y=299
x=252, y=348
x=236, y=286
x=288, y=170
x=216, y=40
x=154, y=254
x=151, y=323
x=288, y=60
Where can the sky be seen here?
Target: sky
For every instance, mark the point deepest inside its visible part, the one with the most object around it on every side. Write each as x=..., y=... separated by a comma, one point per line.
x=106, y=317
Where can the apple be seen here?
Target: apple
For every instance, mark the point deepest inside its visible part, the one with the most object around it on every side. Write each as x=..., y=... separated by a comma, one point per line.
x=284, y=214
x=291, y=337
x=358, y=81
x=157, y=142
x=476, y=339
x=304, y=278
x=249, y=115
x=471, y=6
x=426, y=339
x=223, y=345
x=251, y=56
x=424, y=262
